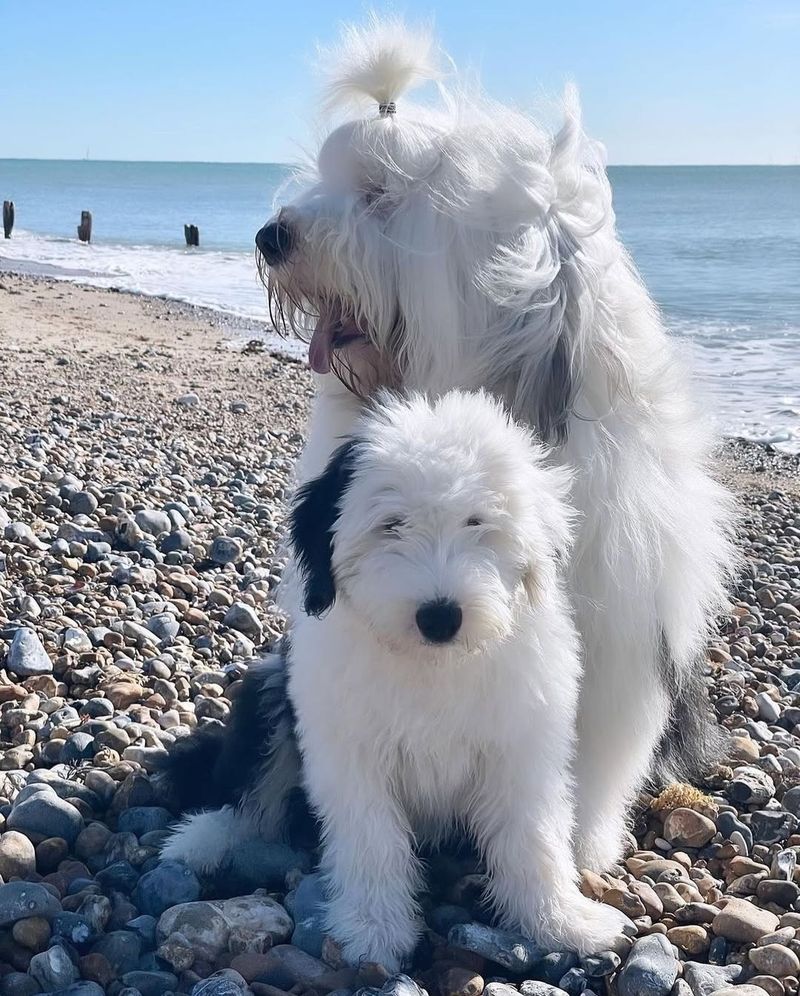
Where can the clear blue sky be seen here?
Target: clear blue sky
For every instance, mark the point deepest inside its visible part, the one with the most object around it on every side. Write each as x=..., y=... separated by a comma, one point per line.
x=663, y=81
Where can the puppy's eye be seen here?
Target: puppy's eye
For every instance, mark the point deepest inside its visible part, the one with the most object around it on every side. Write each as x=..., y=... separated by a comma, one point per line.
x=392, y=526
x=474, y=520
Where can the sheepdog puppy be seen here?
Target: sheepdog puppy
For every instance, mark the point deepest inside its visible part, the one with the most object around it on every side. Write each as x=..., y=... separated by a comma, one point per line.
x=434, y=671
x=460, y=245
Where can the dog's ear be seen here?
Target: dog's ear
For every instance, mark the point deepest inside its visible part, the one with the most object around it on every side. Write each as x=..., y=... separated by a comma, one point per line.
x=311, y=527
x=557, y=393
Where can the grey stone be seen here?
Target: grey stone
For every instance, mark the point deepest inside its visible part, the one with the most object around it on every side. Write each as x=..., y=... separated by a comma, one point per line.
x=26, y=655
x=46, y=815
x=17, y=856
x=72, y=927
x=77, y=747
x=401, y=985
x=202, y=924
x=76, y=640
x=651, y=968
x=151, y=521
x=83, y=503
x=168, y=884
x=706, y=979
x=771, y=826
x=224, y=983
x=164, y=625
x=308, y=910
x=791, y=800
x=225, y=550
x=81, y=988
x=602, y=964
x=512, y=951
x=152, y=983
x=729, y=823
x=530, y=987
x=243, y=617
x=751, y=786
x=121, y=949
x=574, y=982
x=20, y=900
x=143, y=819
x=53, y=969
x=18, y=983
x=177, y=541
x=264, y=865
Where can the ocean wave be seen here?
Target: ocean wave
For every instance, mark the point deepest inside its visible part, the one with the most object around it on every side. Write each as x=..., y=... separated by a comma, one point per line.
x=745, y=373
x=221, y=279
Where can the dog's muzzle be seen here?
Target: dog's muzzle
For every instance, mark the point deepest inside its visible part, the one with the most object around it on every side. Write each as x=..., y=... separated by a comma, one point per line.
x=274, y=241
x=439, y=621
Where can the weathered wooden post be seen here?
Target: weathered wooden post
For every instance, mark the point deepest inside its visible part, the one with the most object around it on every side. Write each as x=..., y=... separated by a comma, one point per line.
x=192, y=235
x=85, y=227
x=8, y=218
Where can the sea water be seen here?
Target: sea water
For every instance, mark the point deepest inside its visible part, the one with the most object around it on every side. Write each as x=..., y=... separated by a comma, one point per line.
x=719, y=247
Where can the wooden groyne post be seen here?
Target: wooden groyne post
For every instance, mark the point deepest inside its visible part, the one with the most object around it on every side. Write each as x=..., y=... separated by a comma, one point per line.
x=8, y=218
x=192, y=235
x=85, y=227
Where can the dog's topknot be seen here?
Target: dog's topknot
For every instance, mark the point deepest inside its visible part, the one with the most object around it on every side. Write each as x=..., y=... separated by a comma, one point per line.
x=378, y=61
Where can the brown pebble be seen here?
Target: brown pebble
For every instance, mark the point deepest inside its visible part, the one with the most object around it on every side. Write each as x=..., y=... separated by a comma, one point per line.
x=459, y=981
x=625, y=901
x=33, y=933
x=758, y=984
x=691, y=938
x=593, y=886
x=96, y=968
x=50, y=853
x=775, y=959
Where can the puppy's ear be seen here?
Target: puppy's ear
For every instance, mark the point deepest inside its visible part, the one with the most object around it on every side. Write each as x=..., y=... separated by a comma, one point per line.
x=532, y=585
x=311, y=527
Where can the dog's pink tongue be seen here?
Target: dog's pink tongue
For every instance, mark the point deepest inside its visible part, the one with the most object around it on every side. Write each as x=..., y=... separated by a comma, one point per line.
x=319, y=350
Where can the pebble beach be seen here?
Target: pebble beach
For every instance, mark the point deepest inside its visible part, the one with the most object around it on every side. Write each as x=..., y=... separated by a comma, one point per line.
x=146, y=450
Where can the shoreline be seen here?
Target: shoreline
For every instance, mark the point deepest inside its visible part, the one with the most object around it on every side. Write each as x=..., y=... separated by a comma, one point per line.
x=743, y=464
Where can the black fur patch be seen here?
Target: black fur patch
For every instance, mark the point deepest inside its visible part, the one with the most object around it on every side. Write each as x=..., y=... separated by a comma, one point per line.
x=314, y=513
x=555, y=407
x=216, y=764
x=692, y=743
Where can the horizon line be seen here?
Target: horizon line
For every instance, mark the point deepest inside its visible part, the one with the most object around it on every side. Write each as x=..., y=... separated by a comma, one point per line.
x=245, y=162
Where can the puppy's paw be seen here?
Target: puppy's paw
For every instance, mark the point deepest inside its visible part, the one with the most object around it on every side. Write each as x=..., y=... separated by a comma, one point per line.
x=599, y=851
x=388, y=937
x=199, y=842
x=590, y=927
x=355, y=955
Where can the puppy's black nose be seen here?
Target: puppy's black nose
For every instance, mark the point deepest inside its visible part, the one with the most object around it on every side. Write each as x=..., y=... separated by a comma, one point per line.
x=274, y=241
x=439, y=621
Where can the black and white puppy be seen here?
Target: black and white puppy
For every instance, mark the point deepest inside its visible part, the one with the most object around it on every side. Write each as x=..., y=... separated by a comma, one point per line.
x=434, y=673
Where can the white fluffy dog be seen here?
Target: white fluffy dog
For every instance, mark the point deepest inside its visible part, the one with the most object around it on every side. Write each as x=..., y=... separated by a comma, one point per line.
x=461, y=246
x=434, y=673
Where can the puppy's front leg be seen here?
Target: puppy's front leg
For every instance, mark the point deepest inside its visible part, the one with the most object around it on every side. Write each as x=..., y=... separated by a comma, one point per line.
x=523, y=820
x=371, y=870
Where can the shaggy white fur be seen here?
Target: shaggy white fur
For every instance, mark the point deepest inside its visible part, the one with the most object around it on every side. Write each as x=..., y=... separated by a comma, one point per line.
x=438, y=687
x=460, y=245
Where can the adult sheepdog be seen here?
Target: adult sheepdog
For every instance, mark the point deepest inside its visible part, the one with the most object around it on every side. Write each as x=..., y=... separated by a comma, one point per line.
x=461, y=246
x=434, y=672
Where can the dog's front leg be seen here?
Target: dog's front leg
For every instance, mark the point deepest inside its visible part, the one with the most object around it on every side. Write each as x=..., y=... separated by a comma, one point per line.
x=523, y=820
x=372, y=874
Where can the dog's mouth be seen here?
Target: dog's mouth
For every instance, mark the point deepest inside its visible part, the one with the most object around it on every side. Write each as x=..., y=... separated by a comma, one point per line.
x=336, y=329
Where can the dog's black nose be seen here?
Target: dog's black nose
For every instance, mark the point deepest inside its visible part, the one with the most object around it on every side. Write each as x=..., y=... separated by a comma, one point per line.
x=439, y=621
x=274, y=241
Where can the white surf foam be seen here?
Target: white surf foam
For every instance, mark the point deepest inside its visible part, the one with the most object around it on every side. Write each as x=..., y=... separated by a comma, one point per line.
x=748, y=378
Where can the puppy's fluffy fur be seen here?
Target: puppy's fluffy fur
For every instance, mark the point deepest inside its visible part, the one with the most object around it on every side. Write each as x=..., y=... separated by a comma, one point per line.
x=434, y=672
x=460, y=245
